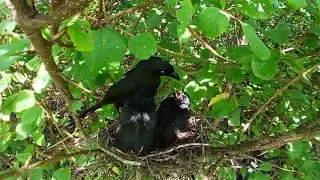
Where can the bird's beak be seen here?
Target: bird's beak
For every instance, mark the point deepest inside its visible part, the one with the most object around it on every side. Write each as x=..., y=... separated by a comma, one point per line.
x=174, y=75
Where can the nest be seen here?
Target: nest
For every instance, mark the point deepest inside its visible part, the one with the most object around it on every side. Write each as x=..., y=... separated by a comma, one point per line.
x=183, y=160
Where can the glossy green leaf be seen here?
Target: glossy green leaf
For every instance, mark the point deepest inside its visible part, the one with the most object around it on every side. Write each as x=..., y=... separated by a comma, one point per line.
x=235, y=75
x=22, y=132
x=42, y=81
x=39, y=138
x=171, y=3
x=258, y=175
x=266, y=166
x=154, y=19
x=279, y=34
x=185, y=13
x=19, y=101
x=62, y=174
x=298, y=149
x=235, y=118
x=266, y=69
x=258, y=9
x=196, y=92
x=297, y=4
x=257, y=46
x=240, y=53
x=226, y=173
x=23, y=157
x=81, y=35
x=4, y=81
x=5, y=139
x=183, y=34
x=35, y=174
x=143, y=45
x=213, y=22
x=31, y=115
x=7, y=26
x=109, y=48
x=311, y=169
x=224, y=107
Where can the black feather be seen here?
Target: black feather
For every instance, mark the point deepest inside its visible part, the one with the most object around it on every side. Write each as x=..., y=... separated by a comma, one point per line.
x=146, y=75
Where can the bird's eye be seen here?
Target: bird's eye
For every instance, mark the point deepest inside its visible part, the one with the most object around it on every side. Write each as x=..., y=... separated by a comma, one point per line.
x=162, y=72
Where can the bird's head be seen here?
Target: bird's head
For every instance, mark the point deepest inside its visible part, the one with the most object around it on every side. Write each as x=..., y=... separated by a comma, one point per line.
x=159, y=67
x=182, y=99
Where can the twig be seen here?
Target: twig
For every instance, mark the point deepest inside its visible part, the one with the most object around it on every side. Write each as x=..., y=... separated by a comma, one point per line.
x=175, y=148
x=126, y=11
x=121, y=159
x=277, y=94
x=139, y=19
x=76, y=84
x=205, y=44
x=46, y=162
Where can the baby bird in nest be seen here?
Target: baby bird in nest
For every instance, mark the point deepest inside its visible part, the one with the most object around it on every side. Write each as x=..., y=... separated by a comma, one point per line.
x=173, y=120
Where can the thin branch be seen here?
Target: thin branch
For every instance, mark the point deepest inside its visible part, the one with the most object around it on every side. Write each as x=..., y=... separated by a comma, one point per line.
x=46, y=162
x=246, y=127
x=205, y=44
x=75, y=84
x=126, y=12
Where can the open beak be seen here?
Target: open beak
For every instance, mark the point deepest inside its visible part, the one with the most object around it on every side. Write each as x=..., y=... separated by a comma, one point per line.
x=177, y=94
x=174, y=75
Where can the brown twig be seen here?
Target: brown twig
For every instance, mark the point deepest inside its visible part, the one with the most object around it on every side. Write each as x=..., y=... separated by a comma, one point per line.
x=246, y=127
x=46, y=162
x=205, y=44
x=126, y=12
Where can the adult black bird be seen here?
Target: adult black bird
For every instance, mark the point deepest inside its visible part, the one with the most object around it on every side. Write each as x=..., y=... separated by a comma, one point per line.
x=146, y=74
x=172, y=118
x=137, y=123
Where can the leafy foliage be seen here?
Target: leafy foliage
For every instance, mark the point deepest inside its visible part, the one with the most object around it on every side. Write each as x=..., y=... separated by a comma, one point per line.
x=243, y=62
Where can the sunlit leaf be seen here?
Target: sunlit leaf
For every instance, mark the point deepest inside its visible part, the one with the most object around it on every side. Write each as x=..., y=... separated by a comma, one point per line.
x=185, y=13
x=143, y=45
x=218, y=97
x=213, y=22
x=266, y=69
x=257, y=46
x=42, y=80
x=258, y=9
x=19, y=101
x=62, y=174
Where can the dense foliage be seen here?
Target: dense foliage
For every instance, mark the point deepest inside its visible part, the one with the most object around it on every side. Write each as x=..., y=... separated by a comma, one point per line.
x=251, y=68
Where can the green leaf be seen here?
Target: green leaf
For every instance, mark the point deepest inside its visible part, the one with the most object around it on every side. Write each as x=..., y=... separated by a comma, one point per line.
x=76, y=106
x=196, y=92
x=266, y=69
x=235, y=75
x=266, y=166
x=31, y=115
x=280, y=34
x=42, y=80
x=4, y=81
x=224, y=107
x=226, y=173
x=9, y=52
x=143, y=45
x=298, y=149
x=213, y=22
x=240, y=53
x=109, y=49
x=311, y=168
x=183, y=34
x=257, y=9
x=19, y=101
x=257, y=46
x=81, y=35
x=62, y=174
x=22, y=132
x=39, y=138
x=154, y=19
x=5, y=140
x=297, y=4
x=23, y=157
x=185, y=13
x=7, y=26
x=258, y=175
x=171, y=3
x=235, y=118
x=35, y=174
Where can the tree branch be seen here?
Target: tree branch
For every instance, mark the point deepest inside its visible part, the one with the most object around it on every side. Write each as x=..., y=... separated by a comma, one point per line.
x=25, y=16
x=246, y=127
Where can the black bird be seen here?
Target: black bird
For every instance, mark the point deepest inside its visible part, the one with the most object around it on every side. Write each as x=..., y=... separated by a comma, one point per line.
x=137, y=123
x=146, y=74
x=172, y=118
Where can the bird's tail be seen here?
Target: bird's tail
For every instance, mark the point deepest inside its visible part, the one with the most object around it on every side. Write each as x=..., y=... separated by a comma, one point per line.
x=91, y=109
